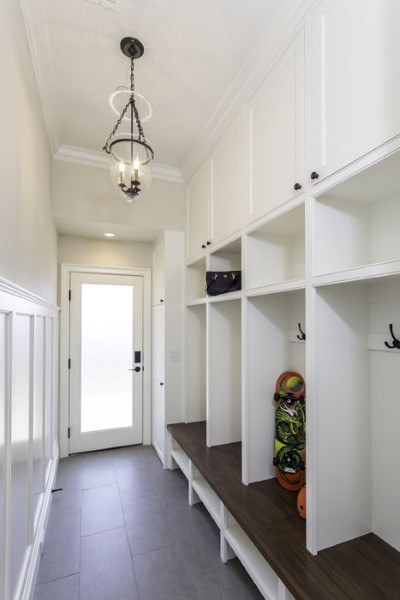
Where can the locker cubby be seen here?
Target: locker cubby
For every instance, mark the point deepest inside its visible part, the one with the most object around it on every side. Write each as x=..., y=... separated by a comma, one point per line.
x=356, y=390
x=271, y=348
x=356, y=223
x=224, y=373
x=227, y=258
x=196, y=280
x=276, y=250
x=196, y=364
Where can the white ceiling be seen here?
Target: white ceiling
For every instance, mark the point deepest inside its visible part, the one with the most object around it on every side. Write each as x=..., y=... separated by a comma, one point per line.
x=193, y=50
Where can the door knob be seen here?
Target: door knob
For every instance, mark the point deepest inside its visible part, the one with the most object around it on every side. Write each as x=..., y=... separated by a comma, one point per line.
x=137, y=369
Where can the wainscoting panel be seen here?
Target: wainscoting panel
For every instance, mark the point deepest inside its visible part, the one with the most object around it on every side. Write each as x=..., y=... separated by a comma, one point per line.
x=28, y=433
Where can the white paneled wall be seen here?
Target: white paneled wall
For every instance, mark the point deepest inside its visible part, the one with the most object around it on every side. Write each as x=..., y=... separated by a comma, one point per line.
x=28, y=433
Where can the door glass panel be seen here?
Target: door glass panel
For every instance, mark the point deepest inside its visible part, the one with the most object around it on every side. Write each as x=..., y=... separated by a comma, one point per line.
x=106, y=356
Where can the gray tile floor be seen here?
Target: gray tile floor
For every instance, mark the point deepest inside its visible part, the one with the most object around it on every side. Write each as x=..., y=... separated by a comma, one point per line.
x=122, y=529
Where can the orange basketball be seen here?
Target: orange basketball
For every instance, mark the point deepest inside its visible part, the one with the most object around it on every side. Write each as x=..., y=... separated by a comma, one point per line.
x=302, y=502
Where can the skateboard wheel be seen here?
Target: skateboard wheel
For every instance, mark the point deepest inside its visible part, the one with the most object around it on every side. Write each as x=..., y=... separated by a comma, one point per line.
x=275, y=461
x=276, y=397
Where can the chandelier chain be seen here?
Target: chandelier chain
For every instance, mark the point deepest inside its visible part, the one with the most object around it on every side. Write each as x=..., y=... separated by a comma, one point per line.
x=106, y=147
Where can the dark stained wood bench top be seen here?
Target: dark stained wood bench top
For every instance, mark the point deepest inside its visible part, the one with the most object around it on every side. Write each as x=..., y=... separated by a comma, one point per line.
x=363, y=569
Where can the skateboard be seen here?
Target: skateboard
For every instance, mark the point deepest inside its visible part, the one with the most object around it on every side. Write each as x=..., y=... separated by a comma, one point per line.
x=290, y=430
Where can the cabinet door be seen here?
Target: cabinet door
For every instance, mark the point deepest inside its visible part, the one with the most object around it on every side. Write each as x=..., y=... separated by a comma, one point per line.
x=227, y=182
x=275, y=125
x=158, y=408
x=198, y=195
x=355, y=81
x=158, y=274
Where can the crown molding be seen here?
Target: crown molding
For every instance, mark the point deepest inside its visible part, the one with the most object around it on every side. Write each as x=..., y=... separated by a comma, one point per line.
x=272, y=43
x=88, y=158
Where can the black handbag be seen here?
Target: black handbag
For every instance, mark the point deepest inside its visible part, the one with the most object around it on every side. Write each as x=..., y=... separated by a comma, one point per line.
x=222, y=282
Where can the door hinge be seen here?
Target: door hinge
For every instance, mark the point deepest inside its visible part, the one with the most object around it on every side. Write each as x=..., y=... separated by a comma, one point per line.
x=69, y=432
x=69, y=294
x=69, y=363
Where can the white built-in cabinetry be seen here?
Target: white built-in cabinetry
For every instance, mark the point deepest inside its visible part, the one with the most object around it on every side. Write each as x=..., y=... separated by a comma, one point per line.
x=326, y=256
x=167, y=338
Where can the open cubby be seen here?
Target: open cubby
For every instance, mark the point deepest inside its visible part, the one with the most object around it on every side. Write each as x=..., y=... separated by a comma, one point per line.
x=358, y=403
x=196, y=363
x=196, y=280
x=275, y=251
x=272, y=347
x=227, y=258
x=224, y=373
x=356, y=223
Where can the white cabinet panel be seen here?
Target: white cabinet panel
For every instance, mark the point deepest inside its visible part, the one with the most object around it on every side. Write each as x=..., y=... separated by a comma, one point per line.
x=159, y=416
x=227, y=182
x=275, y=124
x=158, y=274
x=48, y=417
x=37, y=416
x=355, y=96
x=20, y=413
x=198, y=199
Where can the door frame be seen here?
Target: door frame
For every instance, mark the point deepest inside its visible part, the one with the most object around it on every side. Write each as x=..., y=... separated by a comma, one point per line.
x=66, y=270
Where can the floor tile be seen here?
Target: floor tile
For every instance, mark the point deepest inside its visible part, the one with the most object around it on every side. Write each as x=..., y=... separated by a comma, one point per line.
x=66, y=501
x=133, y=482
x=191, y=522
x=66, y=588
x=101, y=510
x=230, y=583
x=107, y=570
x=161, y=576
x=171, y=487
x=61, y=556
x=97, y=475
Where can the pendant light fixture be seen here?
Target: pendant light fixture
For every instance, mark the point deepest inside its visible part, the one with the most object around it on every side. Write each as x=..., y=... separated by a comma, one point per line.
x=131, y=155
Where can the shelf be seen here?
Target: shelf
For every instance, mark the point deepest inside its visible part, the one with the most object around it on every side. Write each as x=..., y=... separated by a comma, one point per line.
x=271, y=321
x=276, y=250
x=225, y=297
x=195, y=373
x=196, y=280
x=365, y=209
x=224, y=360
x=365, y=567
x=181, y=460
x=208, y=497
x=227, y=257
x=385, y=269
x=351, y=322
x=287, y=286
x=197, y=302
x=259, y=570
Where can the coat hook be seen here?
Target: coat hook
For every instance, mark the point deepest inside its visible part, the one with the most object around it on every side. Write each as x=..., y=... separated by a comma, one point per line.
x=302, y=335
x=396, y=342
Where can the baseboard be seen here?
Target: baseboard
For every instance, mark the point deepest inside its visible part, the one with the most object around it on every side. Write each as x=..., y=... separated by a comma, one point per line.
x=26, y=589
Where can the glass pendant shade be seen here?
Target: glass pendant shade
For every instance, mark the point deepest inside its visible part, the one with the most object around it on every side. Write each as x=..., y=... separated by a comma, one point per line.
x=130, y=167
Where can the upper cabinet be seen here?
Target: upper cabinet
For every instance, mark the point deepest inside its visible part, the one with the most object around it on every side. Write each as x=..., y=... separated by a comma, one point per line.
x=275, y=134
x=158, y=273
x=227, y=182
x=355, y=95
x=198, y=203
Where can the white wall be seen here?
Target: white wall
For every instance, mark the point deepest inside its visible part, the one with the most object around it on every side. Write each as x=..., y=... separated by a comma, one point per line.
x=28, y=325
x=86, y=204
x=27, y=235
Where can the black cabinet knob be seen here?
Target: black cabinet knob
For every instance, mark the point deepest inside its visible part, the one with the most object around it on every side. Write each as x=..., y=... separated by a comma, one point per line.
x=161, y=300
x=314, y=175
x=203, y=245
x=208, y=243
x=297, y=186
x=161, y=383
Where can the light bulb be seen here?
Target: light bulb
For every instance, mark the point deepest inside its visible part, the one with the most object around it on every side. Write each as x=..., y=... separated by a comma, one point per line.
x=136, y=170
x=121, y=179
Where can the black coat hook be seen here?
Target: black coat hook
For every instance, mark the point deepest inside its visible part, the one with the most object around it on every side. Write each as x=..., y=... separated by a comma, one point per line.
x=396, y=342
x=302, y=335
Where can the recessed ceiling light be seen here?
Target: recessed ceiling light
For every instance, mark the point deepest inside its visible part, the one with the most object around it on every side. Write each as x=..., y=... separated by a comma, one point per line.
x=109, y=234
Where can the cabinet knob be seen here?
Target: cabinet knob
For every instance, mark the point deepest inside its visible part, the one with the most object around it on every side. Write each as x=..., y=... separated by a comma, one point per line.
x=161, y=383
x=161, y=300
x=314, y=175
x=208, y=243
x=297, y=186
x=203, y=245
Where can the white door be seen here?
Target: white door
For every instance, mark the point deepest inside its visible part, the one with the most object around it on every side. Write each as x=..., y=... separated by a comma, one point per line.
x=106, y=341
x=354, y=66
